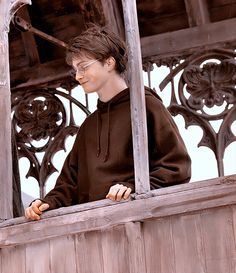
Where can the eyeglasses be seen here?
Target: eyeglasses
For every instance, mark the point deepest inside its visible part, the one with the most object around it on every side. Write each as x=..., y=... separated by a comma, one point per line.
x=81, y=69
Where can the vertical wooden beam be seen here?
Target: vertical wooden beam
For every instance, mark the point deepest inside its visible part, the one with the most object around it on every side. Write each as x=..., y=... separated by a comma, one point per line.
x=197, y=12
x=113, y=17
x=7, y=9
x=28, y=39
x=137, y=96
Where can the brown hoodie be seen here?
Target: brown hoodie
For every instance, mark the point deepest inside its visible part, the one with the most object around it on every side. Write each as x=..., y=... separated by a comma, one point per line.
x=102, y=154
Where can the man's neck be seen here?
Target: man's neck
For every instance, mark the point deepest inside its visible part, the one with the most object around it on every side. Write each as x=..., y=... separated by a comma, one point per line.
x=113, y=87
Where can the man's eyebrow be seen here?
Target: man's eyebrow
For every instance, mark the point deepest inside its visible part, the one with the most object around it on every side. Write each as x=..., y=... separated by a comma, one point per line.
x=81, y=62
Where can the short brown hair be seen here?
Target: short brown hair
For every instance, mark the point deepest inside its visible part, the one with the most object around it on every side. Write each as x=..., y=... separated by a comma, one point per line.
x=99, y=43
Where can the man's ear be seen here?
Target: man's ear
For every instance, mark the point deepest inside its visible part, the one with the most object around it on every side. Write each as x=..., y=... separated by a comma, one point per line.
x=111, y=63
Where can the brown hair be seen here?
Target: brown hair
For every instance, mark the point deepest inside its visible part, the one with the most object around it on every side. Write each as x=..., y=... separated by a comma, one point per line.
x=99, y=43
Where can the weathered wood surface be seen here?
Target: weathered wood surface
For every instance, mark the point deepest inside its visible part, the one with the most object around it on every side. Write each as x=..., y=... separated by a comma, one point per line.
x=137, y=97
x=197, y=11
x=185, y=41
x=181, y=229
x=7, y=9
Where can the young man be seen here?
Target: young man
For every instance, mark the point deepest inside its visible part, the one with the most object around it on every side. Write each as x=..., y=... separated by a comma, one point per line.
x=100, y=164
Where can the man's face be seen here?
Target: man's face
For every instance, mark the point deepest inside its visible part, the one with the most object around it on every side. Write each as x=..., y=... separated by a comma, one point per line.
x=90, y=73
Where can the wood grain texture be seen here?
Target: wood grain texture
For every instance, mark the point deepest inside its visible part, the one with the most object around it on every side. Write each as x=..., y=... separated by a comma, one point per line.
x=13, y=260
x=188, y=245
x=137, y=97
x=181, y=202
x=219, y=240
x=5, y=117
x=89, y=256
x=184, y=41
x=135, y=247
x=38, y=257
x=197, y=12
x=114, y=250
x=62, y=255
x=158, y=244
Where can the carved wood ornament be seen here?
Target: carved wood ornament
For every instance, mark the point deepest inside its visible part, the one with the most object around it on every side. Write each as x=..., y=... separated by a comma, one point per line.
x=40, y=117
x=207, y=80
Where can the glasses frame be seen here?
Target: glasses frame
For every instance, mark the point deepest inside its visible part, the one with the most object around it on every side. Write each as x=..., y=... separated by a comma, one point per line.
x=81, y=69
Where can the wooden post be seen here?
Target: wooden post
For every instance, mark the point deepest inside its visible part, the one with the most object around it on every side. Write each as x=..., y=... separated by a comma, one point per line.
x=7, y=9
x=137, y=96
x=197, y=12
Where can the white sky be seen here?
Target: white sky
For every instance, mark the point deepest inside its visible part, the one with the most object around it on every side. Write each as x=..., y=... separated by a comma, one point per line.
x=203, y=160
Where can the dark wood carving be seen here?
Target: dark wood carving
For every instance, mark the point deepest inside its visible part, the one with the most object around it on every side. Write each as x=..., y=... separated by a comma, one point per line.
x=40, y=115
x=208, y=80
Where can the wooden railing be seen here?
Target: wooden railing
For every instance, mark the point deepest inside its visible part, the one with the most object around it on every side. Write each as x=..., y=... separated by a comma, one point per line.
x=183, y=229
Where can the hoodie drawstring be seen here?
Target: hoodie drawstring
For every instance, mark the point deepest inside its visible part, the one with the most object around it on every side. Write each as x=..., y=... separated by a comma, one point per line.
x=99, y=127
x=98, y=133
x=108, y=134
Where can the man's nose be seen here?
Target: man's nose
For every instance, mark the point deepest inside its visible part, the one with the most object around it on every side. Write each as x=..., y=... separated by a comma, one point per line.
x=78, y=75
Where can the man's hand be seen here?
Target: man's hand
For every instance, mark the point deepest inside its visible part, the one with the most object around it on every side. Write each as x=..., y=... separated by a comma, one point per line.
x=35, y=210
x=118, y=192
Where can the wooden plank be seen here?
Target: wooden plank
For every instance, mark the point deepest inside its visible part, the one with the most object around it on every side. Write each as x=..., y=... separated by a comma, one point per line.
x=28, y=38
x=89, y=245
x=7, y=9
x=197, y=11
x=185, y=41
x=40, y=75
x=38, y=258
x=62, y=255
x=159, y=249
x=137, y=97
x=204, y=186
x=13, y=260
x=113, y=17
x=135, y=246
x=114, y=250
x=219, y=240
x=113, y=215
x=188, y=247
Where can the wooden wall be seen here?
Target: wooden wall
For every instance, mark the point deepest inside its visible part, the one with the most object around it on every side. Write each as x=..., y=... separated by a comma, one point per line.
x=181, y=229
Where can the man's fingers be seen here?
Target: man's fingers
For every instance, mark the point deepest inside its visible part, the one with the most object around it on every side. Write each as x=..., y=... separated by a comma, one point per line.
x=43, y=207
x=127, y=193
x=30, y=214
x=35, y=210
x=118, y=191
x=113, y=192
x=35, y=206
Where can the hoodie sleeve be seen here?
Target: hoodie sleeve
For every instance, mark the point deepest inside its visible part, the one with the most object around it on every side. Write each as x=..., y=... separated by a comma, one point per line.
x=65, y=192
x=169, y=162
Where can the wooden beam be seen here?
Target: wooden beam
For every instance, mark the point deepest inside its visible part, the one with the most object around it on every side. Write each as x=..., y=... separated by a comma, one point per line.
x=28, y=39
x=181, y=199
x=185, y=41
x=7, y=9
x=113, y=17
x=137, y=96
x=197, y=12
x=41, y=74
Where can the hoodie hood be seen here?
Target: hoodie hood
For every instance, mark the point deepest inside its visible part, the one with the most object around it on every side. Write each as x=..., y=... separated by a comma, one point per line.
x=106, y=108
x=119, y=98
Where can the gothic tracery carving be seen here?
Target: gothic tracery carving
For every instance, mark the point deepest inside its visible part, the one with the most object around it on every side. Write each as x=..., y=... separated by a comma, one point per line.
x=41, y=124
x=208, y=80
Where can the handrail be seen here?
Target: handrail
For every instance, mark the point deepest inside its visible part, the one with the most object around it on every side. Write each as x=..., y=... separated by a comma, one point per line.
x=100, y=215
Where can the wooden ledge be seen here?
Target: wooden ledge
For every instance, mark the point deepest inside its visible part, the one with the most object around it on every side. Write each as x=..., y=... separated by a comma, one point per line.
x=104, y=214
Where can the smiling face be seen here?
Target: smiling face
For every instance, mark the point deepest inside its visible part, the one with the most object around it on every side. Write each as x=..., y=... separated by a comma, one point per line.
x=92, y=74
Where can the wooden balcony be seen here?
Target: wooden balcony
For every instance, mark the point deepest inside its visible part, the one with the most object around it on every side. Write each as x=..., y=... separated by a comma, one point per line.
x=183, y=229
